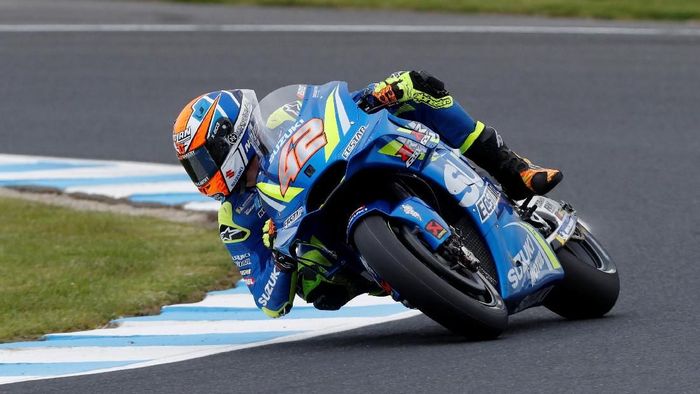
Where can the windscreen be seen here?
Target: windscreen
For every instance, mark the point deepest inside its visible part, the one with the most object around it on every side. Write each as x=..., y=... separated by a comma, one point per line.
x=279, y=110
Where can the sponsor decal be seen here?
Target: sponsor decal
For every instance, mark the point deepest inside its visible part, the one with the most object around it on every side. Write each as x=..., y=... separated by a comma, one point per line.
x=245, y=272
x=419, y=127
x=301, y=90
x=293, y=217
x=291, y=130
x=567, y=227
x=249, y=210
x=240, y=257
x=232, y=138
x=242, y=263
x=246, y=205
x=261, y=213
x=421, y=97
x=183, y=137
x=487, y=203
x=233, y=166
x=188, y=154
x=241, y=260
x=549, y=206
x=422, y=133
x=414, y=156
x=436, y=229
x=458, y=182
x=231, y=234
x=180, y=148
x=408, y=210
x=249, y=281
x=298, y=150
x=353, y=142
x=269, y=287
x=241, y=122
x=531, y=261
x=555, y=209
x=292, y=109
x=406, y=149
x=359, y=211
x=202, y=185
x=409, y=151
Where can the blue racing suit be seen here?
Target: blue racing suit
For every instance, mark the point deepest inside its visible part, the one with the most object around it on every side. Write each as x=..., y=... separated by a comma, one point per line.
x=241, y=215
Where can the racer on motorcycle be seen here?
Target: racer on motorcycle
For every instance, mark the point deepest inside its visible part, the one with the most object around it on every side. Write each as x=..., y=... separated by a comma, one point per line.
x=217, y=139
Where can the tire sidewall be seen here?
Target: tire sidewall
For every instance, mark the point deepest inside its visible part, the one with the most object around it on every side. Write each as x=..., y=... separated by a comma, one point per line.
x=421, y=286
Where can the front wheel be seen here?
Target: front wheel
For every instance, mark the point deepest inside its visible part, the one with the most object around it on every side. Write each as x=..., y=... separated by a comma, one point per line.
x=591, y=284
x=443, y=299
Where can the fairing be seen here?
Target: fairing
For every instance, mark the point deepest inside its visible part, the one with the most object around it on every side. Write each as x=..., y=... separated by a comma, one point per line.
x=330, y=128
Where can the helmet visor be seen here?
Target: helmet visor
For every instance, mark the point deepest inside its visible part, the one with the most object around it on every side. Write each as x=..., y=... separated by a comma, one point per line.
x=199, y=165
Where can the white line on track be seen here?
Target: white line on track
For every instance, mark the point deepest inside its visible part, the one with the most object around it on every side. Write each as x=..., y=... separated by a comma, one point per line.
x=281, y=28
x=232, y=327
x=100, y=354
x=211, y=350
x=244, y=300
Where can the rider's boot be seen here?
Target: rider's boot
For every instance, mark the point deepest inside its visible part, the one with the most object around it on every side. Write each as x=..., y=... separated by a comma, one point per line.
x=519, y=177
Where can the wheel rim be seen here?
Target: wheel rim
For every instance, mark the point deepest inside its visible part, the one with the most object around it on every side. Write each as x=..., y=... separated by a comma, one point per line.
x=474, y=284
x=587, y=249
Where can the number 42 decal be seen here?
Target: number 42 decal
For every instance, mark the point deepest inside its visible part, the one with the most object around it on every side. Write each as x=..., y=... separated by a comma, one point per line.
x=302, y=145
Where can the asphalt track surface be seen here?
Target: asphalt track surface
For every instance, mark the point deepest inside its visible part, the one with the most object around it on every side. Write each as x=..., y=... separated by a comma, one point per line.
x=619, y=114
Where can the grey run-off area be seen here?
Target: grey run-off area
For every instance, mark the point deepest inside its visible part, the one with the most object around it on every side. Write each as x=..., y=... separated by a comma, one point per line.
x=617, y=113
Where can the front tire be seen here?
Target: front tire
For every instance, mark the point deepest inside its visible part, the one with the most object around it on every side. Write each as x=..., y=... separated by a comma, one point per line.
x=591, y=284
x=423, y=288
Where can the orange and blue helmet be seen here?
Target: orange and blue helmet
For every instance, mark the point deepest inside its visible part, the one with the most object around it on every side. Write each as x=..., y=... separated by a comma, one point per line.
x=215, y=139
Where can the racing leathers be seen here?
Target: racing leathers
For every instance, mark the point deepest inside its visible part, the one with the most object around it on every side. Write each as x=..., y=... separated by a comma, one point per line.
x=416, y=96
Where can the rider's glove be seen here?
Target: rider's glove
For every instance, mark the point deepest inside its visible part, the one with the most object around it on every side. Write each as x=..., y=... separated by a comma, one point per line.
x=269, y=233
x=392, y=91
x=283, y=262
x=401, y=87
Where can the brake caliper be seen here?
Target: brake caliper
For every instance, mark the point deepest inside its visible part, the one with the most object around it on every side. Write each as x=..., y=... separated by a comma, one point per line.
x=454, y=251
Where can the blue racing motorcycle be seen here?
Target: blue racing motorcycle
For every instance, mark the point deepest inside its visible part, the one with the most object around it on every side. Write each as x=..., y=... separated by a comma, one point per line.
x=394, y=204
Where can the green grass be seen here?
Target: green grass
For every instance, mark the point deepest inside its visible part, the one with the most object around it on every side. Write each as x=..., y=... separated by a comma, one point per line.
x=63, y=270
x=678, y=10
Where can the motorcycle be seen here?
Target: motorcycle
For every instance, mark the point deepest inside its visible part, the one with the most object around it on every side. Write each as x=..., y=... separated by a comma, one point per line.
x=407, y=212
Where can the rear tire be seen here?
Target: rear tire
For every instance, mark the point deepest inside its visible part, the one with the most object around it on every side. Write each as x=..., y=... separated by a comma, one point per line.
x=423, y=288
x=591, y=284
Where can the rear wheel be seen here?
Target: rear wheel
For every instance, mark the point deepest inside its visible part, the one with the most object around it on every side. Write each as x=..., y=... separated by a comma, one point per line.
x=461, y=300
x=591, y=284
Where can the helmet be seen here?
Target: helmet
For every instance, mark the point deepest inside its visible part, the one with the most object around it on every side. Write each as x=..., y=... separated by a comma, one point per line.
x=215, y=139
